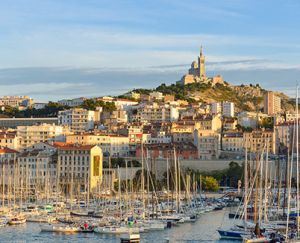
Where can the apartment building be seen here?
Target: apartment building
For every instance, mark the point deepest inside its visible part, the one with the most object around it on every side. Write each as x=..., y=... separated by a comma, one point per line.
x=16, y=101
x=111, y=144
x=9, y=139
x=30, y=135
x=233, y=141
x=261, y=141
x=149, y=113
x=79, y=168
x=272, y=103
x=207, y=143
x=72, y=102
x=37, y=168
x=227, y=109
x=79, y=119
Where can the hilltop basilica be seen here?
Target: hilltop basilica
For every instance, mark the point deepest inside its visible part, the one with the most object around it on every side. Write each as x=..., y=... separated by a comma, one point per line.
x=197, y=73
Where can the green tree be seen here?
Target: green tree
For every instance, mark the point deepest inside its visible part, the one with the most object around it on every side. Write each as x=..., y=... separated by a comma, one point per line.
x=209, y=183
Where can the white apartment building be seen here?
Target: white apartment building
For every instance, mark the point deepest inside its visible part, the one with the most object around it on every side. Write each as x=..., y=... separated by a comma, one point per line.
x=78, y=119
x=30, y=135
x=156, y=95
x=156, y=113
x=161, y=137
x=228, y=109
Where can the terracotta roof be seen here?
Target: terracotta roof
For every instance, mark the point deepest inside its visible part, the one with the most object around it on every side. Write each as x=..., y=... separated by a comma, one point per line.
x=71, y=146
x=6, y=150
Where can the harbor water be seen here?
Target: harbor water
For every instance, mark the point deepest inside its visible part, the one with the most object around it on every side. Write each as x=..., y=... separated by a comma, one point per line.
x=203, y=230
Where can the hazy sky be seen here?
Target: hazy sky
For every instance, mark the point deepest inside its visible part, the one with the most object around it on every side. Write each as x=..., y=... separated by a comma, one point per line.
x=51, y=49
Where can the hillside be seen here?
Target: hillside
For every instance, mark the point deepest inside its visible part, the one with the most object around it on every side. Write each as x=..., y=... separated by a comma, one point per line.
x=245, y=97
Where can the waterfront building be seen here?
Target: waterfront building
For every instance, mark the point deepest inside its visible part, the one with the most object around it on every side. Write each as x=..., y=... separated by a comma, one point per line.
x=37, y=169
x=79, y=168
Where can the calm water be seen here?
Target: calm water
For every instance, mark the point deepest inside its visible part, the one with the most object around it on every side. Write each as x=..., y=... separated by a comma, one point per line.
x=204, y=230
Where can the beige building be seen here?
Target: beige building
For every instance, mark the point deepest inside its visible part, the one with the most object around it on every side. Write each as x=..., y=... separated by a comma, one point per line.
x=155, y=112
x=10, y=140
x=260, y=141
x=79, y=119
x=209, y=123
x=30, y=135
x=233, y=141
x=79, y=168
x=207, y=143
x=37, y=168
x=72, y=102
x=16, y=101
x=111, y=144
x=272, y=103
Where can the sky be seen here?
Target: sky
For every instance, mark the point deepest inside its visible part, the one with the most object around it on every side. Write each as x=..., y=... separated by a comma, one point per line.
x=54, y=49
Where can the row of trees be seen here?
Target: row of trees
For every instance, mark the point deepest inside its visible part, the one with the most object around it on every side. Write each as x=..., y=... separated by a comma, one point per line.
x=52, y=109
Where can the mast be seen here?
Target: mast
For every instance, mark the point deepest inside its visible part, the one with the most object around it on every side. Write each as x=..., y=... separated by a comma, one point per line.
x=168, y=186
x=3, y=188
x=176, y=181
x=297, y=156
x=266, y=184
x=245, y=189
x=290, y=183
x=143, y=179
